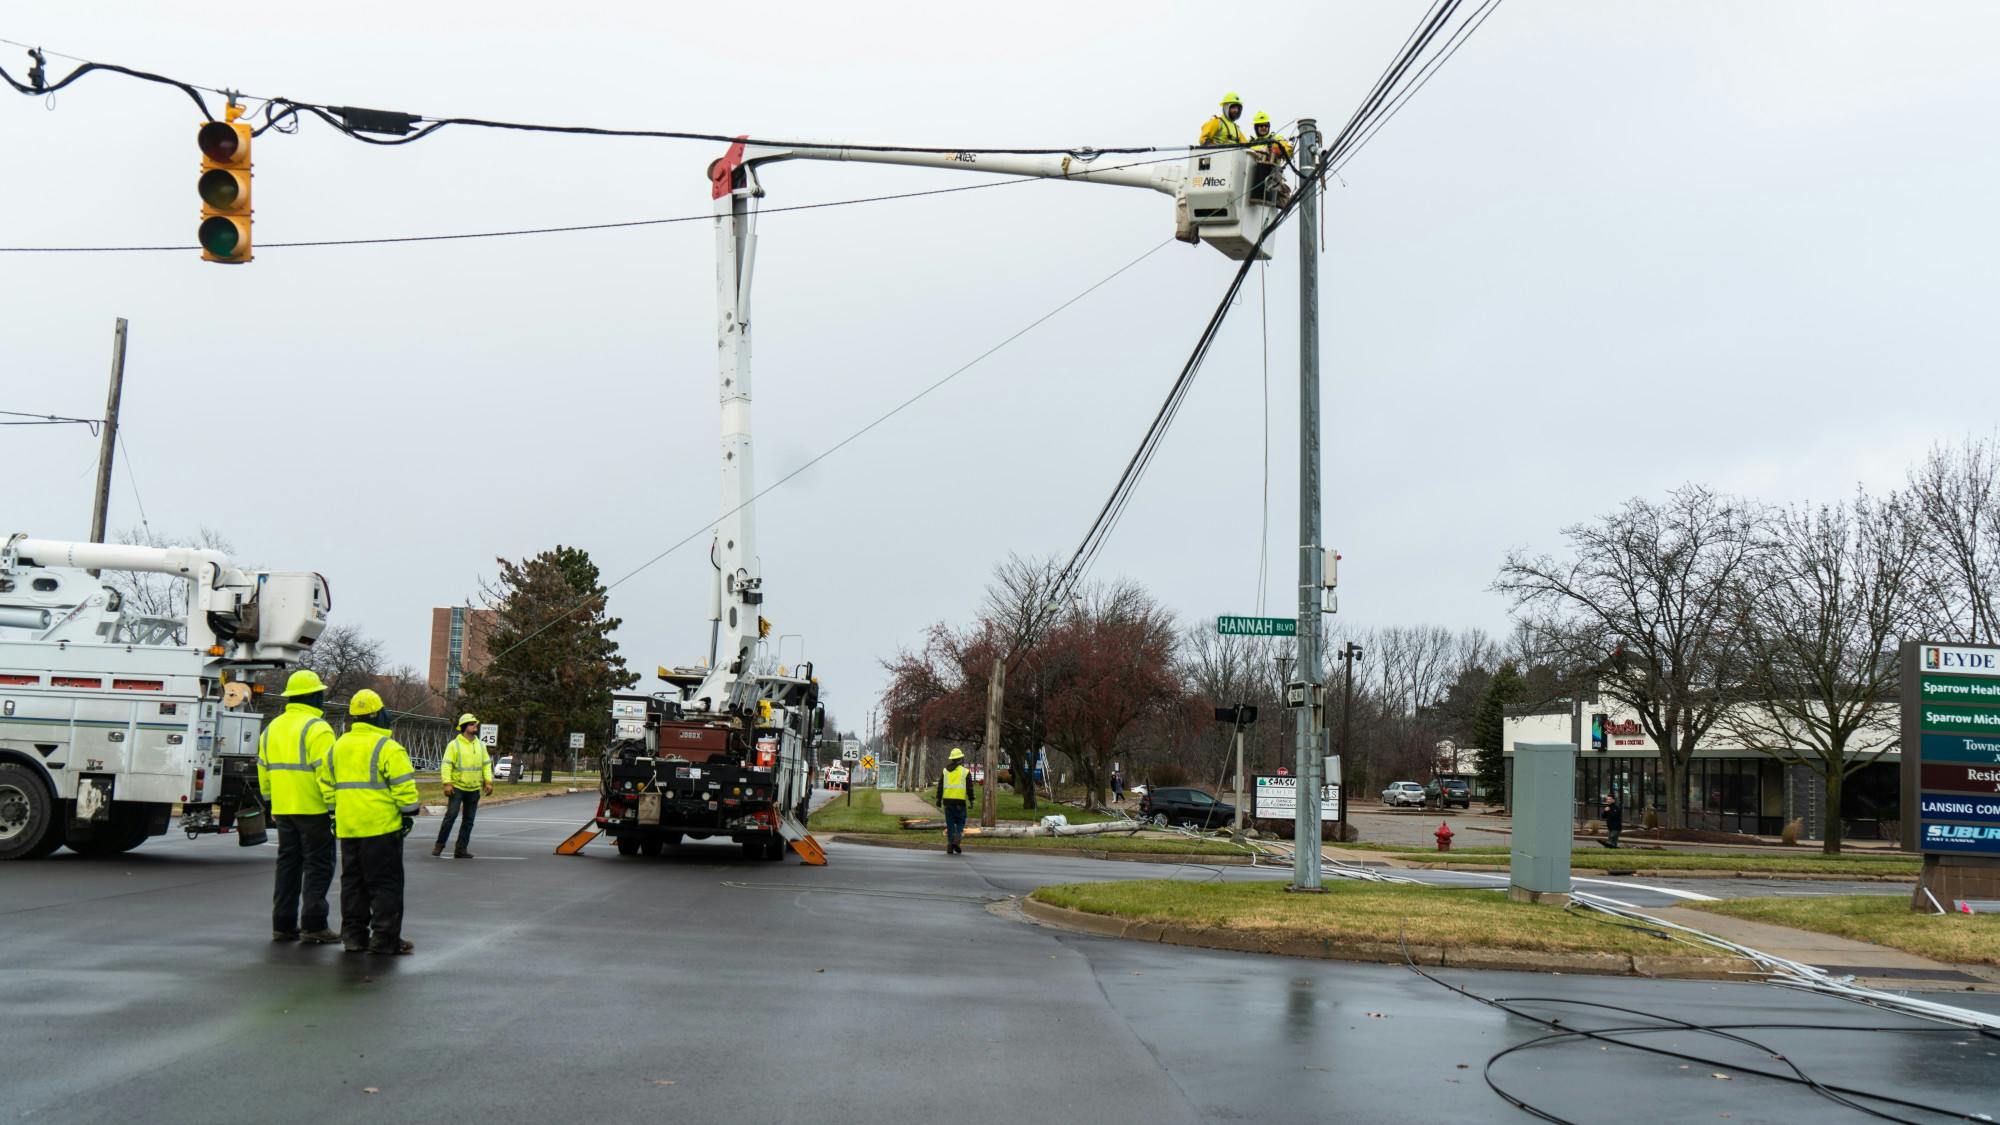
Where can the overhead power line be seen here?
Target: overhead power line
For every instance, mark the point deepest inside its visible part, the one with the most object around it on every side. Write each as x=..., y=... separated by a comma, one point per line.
x=8, y=418
x=518, y=232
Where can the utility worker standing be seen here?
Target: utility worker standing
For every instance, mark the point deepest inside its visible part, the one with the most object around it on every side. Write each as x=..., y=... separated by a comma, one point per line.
x=467, y=774
x=1222, y=129
x=289, y=753
x=953, y=794
x=1267, y=176
x=369, y=781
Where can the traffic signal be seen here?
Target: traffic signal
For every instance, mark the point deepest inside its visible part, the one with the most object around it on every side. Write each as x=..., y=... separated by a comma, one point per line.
x=225, y=189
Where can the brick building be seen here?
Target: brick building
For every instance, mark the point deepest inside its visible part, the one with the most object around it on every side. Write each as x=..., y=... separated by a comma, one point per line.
x=458, y=646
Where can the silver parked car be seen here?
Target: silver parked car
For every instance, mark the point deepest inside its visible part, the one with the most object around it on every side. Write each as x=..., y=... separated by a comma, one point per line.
x=1405, y=793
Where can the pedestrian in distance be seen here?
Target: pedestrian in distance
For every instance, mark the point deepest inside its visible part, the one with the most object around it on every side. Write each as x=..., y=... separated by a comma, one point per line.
x=1118, y=788
x=467, y=774
x=1614, y=821
x=953, y=788
x=289, y=754
x=369, y=781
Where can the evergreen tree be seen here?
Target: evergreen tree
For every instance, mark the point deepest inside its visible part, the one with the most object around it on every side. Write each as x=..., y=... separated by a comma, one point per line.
x=1488, y=725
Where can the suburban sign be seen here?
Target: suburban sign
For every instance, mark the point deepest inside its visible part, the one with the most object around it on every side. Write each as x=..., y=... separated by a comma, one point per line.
x=1257, y=626
x=1951, y=749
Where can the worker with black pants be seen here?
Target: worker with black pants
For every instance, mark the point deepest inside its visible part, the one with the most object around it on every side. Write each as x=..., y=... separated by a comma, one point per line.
x=954, y=789
x=467, y=773
x=369, y=781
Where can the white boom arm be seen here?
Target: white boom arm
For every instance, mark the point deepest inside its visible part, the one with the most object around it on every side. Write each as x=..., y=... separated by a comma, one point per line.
x=1212, y=193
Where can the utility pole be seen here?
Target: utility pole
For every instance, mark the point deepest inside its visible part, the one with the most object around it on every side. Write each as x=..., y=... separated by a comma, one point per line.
x=996, y=694
x=1306, y=828
x=108, y=445
x=1239, y=771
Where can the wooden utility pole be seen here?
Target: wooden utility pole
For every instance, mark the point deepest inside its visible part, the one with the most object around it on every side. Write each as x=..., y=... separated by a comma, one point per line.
x=108, y=444
x=996, y=697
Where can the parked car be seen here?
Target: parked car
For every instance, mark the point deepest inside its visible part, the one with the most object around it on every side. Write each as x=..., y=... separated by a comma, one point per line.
x=1444, y=792
x=1185, y=806
x=503, y=767
x=1407, y=794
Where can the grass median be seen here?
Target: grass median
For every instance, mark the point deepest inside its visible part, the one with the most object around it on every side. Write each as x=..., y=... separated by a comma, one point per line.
x=1355, y=912
x=1960, y=939
x=863, y=815
x=1646, y=860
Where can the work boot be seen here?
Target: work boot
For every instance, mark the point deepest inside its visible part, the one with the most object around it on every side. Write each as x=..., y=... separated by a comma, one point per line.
x=284, y=935
x=463, y=854
x=401, y=948
x=437, y=850
x=350, y=945
x=319, y=937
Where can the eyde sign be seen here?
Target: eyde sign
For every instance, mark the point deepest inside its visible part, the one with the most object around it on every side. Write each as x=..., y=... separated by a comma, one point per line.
x=1951, y=749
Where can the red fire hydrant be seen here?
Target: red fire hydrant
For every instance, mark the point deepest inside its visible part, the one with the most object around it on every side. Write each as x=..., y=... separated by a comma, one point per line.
x=1443, y=835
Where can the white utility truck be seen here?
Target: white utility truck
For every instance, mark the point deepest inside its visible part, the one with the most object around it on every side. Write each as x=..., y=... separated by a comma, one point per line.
x=110, y=717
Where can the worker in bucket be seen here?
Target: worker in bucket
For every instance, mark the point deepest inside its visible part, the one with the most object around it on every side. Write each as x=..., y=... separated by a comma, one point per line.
x=369, y=781
x=1273, y=152
x=953, y=787
x=289, y=753
x=1222, y=129
x=467, y=774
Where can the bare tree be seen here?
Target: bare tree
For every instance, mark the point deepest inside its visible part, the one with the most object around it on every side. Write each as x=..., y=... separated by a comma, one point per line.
x=1827, y=604
x=346, y=660
x=1955, y=496
x=154, y=594
x=1651, y=602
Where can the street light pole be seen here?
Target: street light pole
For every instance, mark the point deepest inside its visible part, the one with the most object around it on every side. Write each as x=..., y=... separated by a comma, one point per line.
x=1349, y=653
x=1306, y=828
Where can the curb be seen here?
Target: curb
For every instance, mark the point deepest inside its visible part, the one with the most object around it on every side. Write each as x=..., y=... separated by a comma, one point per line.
x=1061, y=853
x=1339, y=949
x=1675, y=873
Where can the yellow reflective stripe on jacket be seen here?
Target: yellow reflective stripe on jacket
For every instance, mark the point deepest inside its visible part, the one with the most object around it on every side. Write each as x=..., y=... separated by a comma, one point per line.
x=1221, y=131
x=954, y=783
x=457, y=765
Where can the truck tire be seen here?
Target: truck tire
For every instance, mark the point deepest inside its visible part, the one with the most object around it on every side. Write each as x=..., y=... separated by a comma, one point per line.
x=673, y=839
x=627, y=846
x=29, y=826
x=650, y=847
x=774, y=848
x=117, y=838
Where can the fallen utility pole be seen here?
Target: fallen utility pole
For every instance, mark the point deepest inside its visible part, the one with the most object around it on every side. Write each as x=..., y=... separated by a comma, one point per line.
x=108, y=444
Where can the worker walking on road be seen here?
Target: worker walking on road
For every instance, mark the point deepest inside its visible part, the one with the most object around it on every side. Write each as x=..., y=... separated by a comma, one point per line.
x=289, y=753
x=467, y=774
x=1222, y=129
x=953, y=787
x=369, y=781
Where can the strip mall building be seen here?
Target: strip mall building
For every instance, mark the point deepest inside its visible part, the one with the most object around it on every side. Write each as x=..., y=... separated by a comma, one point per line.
x=1729, y=787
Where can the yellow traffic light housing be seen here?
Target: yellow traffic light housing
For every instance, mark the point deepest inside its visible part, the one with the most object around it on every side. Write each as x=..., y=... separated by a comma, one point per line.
x=225, y=189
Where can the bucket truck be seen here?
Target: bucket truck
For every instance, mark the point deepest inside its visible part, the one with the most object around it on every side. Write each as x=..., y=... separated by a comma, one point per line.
x=727, y=750
x=109, y=717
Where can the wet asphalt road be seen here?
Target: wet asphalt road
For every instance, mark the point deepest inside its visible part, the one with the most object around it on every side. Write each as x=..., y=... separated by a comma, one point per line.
x=703, y=987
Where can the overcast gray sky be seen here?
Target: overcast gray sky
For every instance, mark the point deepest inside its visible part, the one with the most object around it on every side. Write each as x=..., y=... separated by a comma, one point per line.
x=1612, y=247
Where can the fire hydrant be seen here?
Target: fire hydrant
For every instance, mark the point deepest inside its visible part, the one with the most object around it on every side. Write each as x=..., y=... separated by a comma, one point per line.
x=1443, y=835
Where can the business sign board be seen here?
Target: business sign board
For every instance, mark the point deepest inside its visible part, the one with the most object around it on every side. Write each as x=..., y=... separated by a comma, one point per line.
x=1951, y=748
x=1276, y=797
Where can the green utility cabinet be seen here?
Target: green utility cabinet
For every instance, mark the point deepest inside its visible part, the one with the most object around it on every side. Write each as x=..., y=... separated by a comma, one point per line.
x=1544, y=799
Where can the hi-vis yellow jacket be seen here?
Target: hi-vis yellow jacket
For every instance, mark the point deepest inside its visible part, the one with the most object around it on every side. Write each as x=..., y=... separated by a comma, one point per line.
x=289, y=753
x=369, y=781
x=1220, y=130
x=467, y=765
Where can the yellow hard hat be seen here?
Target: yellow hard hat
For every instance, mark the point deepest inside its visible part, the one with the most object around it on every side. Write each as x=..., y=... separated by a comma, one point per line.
x=1262, y=118
x=468, y=717
x=305, y=681
x=1231, y=98
x=956, y=754
x=365, y=702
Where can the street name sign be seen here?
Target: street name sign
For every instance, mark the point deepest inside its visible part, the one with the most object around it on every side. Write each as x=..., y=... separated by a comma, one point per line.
x=1257, y=626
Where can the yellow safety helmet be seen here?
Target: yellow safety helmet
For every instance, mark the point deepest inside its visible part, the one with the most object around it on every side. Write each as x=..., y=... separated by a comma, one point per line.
x=365, y=702
x=956, y=754
x=305, y=681
x=1230, y=99
x=468, y=717
x=1262, y=118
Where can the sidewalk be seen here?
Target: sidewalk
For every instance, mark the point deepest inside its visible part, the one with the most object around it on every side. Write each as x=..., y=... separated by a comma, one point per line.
x=1837, y=954
x=895, y=802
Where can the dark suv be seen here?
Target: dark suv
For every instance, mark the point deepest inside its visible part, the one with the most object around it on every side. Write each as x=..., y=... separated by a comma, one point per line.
x=1185, y=806
x=1445, y=792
